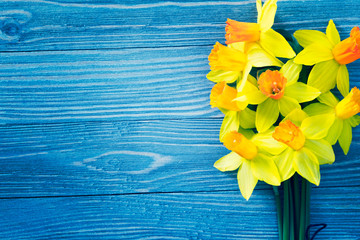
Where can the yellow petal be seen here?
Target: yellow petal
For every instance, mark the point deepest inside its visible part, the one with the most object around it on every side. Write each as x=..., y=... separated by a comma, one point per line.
x=308, y=37
x=240, y=85
x=342, y=80
x=287, y=105
x=259, y=8
x=318, y=108
x=335, y=131
x=296, y=116
x=317, y=127
x=307, y=165
x=222, y=75
x=260, y=58
x=276, y=44
x=230, y=162
x=266, y=142
x=284, y=163
x=302, y=92
x=230, y=123
x=291, y=71
x=329, y=99
x=246, y=180
x=266, y=114
x=267, y=15
x=345, y=138
x=247, y=118
x=264, y=169
x=322, y=149
x=323, y=75
x=314, y=53
x=332, y=33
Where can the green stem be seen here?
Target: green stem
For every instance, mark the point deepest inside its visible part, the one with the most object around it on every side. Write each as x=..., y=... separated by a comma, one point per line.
x=308, y=192
x=286, y=233
x=279, y=210
x=291, y=212
x=303, y=214
x=296, y=194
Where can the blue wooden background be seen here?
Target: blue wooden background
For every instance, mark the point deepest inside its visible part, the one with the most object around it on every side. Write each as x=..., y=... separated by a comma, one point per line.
x=106, y=130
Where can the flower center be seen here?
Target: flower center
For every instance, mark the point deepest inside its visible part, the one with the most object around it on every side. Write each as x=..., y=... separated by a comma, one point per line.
x=272, y=84
x=222, y=96
x=236, y=142
x=225, y=58
x=350, y=105
x=241, y=32
x=290, y=134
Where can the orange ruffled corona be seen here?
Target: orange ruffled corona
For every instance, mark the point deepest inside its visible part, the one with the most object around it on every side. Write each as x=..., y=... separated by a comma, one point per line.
x=225, y=58
x=350, y=105
x=348, y=50
x=272, y=84
x=289, y=134
x=241, y=32
x=222, y=96
x=236, y=142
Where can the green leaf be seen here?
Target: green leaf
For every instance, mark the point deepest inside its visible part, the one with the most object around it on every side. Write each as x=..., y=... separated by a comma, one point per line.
x=342, y=80
x=266, y=114
x=247, y=118
x=308, y=37
x=313, y=54
x=246, y=180
x=335, y=131
x=230, y=123
x=307, y=165
x=222, y=75
x=229, y=162
x=275, y=43
x=264, y=169
x=284, y=163
x=317, y=127
x=345, y=137
x=301, y=92
x=323, y=75
x=332, y=33
x=291, y=72
x=287, y=105
x=322, y=150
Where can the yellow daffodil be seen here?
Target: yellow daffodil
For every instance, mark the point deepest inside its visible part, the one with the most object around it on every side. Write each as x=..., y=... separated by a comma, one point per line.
x=234, y=62
x=329, y=55
x=260, y=32
x=306, y=147
x=276, y=92
x=250, y=155
x=345, y=116
x=236, y=113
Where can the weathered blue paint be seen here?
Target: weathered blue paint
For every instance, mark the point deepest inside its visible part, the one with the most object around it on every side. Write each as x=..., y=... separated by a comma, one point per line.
x=106, y=131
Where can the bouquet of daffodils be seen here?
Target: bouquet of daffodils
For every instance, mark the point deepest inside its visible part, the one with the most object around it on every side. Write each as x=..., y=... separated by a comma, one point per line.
x=281, y=114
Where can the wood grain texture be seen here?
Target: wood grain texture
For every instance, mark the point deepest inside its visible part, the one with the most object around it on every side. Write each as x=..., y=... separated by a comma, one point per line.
x=217, y=215
x=129, y=157
x=58, y=25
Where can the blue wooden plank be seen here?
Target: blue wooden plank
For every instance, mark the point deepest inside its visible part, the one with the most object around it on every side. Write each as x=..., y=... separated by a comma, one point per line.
x=217, y=215
x=129, y=157
x=59, y=25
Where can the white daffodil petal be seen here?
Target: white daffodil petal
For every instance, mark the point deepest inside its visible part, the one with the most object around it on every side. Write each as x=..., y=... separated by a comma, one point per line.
x=229, y=162
x=246, y=179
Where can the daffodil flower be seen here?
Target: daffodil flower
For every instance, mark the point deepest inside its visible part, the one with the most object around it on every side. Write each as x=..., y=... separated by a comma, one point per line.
x=236, y=113
x=277, y=92
x=306, y=147
x=345, y=116
x=234, y=62
x=329, y=55
x=251, y=157
x=260, y=32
